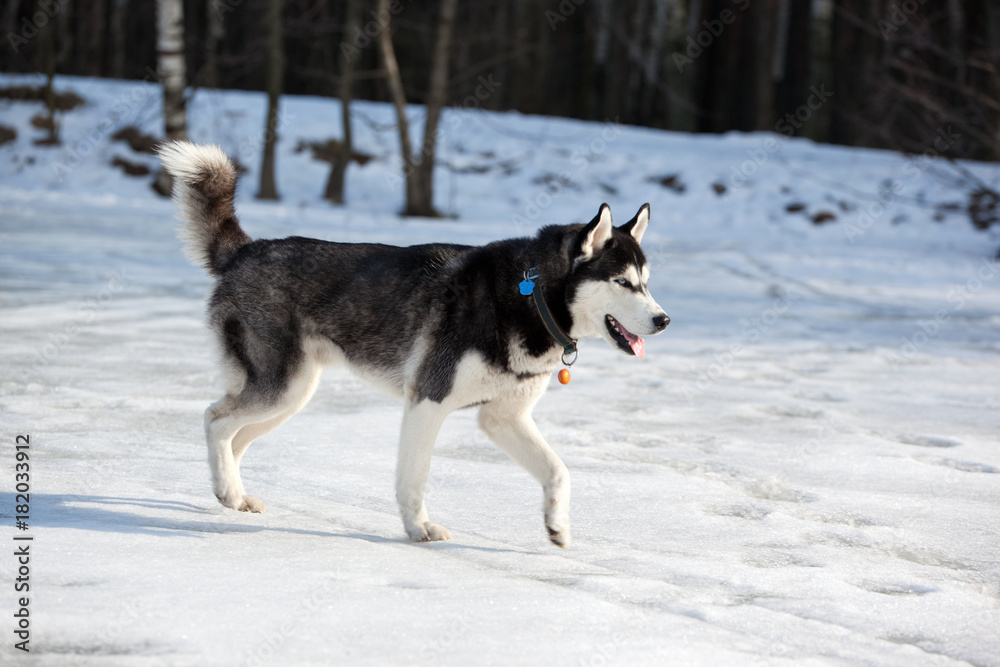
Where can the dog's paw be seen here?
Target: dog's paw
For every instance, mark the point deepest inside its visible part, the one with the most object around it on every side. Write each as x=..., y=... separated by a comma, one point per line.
x=241, y=502
x=251, y=504
x=557, y=521
x=428, y=532
x=559, y=534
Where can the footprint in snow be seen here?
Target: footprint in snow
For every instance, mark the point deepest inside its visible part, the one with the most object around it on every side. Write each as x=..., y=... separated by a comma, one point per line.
x=928, y=441
x=790, y=411
x=774, y=559
x=739, y=511
x=771, y=489
x=963, y=466
x=886, y=588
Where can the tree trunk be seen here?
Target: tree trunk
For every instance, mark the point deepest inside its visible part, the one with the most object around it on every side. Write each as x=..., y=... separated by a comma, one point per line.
x=762, y=42
x=981, y=31
x=680, y=79
x=398, y=100
x=657, y=27
x=793, y=75
x=173, y=75
x=335, y=184
x=64, y=35
x=424, y=171
x=215, y=32
x=520, y=92
x=118, y=9
x=853, y=50
x=49, y=56
x=502, y=30
x=275, y=75
x=96, y=37
x=820, y=52
x=9, y=18
x=603, y=73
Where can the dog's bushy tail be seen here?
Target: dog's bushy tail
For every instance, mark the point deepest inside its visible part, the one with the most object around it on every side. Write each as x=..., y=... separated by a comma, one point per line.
x=204, y=187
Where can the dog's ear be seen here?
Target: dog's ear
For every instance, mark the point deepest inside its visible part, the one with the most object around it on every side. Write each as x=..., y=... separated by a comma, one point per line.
x=637, y=225
x=592, y=239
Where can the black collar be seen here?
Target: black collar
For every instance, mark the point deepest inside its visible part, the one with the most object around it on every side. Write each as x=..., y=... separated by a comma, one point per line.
x=527, y=287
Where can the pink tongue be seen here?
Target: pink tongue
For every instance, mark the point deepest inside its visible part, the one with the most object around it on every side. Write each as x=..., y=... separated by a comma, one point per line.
x=637, y=344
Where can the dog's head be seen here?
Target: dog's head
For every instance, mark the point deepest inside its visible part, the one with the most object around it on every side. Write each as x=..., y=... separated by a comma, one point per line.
x=607, y=292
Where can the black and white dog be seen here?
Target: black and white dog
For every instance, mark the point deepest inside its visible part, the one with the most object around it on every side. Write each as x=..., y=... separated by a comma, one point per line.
x=283, y=309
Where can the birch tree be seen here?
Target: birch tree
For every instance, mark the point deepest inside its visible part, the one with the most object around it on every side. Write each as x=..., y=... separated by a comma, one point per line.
x=173, y=77
x=275, y=78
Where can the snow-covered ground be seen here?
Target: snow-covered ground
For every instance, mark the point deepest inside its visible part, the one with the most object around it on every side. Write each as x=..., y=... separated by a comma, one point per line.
x=803, y=470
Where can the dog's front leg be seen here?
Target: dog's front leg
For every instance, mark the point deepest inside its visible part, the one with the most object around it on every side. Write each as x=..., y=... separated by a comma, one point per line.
x=514, y=431
x=421, y=423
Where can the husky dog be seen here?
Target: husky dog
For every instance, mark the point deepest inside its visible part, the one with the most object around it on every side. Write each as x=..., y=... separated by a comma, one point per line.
x=442, y=326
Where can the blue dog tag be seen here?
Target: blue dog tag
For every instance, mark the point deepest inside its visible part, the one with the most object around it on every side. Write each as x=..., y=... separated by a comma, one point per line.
x=527, y=287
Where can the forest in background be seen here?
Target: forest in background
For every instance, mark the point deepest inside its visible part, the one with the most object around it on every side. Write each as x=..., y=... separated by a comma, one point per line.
x=898, y=74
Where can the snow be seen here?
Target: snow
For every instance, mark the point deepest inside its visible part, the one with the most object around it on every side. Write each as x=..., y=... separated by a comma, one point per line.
x=803, y=470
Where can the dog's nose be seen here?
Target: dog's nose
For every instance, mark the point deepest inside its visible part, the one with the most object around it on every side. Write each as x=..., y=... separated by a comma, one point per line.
x=660, y=322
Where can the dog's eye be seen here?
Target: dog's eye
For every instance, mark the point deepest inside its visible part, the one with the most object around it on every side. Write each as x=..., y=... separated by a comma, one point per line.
x=623, y=282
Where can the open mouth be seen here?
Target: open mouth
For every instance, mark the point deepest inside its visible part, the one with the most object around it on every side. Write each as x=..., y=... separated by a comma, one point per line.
x=627, y=341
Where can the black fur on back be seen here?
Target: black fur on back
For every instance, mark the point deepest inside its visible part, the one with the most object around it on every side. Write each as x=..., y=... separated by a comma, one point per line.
x=375, y=302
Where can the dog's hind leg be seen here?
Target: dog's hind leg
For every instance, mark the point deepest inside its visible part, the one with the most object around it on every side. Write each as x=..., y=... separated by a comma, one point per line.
x=237, y=419
x=223, y=420
x=294, y=402
x=512, y=428
x=421, y=423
